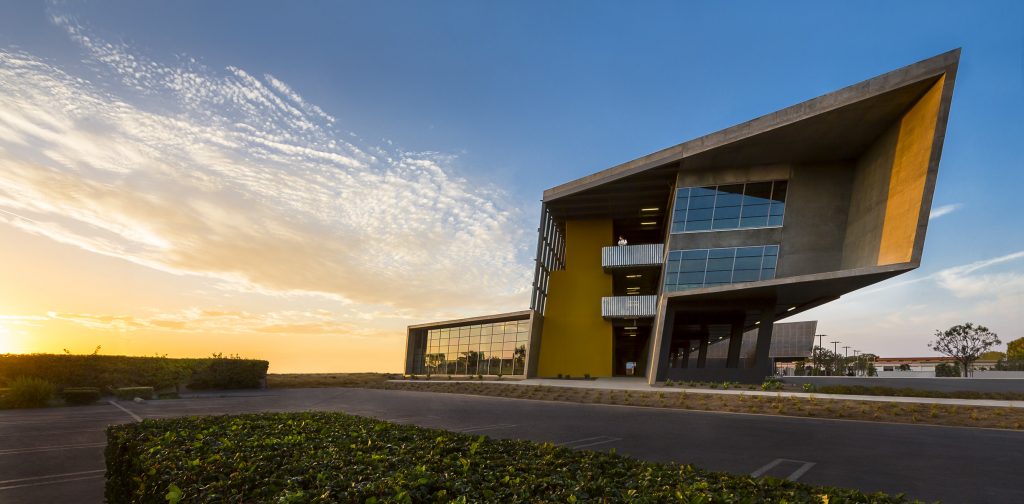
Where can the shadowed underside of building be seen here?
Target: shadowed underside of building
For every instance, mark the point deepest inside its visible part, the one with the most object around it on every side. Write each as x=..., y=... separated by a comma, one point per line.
x=725, y=234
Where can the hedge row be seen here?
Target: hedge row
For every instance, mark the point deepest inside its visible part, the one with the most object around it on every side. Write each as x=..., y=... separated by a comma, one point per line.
x=334, y=457
x=115, y=371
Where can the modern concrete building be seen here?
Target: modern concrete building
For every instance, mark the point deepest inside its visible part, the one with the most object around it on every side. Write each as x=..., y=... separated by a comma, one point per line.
x=724, y=234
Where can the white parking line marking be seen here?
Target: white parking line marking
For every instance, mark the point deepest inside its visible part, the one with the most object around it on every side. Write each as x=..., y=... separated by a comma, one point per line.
x=805, y=466
x=588, y=442
x=595, y=443
x=800, y=472
x=567, y=443
x=486, y=427
x=51, y=448
x=50, y=476
x=122, y=408
x=12, y=487
x=766, y=468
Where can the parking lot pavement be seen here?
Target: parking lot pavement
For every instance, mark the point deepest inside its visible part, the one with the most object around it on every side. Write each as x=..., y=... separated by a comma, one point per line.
x=56, y=454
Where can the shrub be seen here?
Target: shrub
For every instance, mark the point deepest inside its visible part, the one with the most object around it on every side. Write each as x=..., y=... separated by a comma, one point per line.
x=81, y=395
x=103, y=371
x=333, y=457
x=771, y=383
x=29, y=392
x=229, y=373
x=129, y=393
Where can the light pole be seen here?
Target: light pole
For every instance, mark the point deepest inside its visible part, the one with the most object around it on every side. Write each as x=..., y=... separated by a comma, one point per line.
x=835, y=347
x=846, y=359
x=857, y=360
x=820, y=336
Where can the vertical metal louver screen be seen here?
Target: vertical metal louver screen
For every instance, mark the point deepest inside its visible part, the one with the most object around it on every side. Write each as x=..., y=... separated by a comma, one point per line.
x=550, y=257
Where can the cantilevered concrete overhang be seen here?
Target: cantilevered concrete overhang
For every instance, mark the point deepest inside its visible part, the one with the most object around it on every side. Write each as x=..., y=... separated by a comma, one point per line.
x=789, y=296
x=839, y=126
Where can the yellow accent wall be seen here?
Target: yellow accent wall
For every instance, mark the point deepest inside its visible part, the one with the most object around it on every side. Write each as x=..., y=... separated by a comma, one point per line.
x=907, y=181
x=575, y=339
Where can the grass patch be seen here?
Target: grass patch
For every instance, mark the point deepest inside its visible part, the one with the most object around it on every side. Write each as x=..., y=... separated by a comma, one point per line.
x=816, y=407
x=334, y=457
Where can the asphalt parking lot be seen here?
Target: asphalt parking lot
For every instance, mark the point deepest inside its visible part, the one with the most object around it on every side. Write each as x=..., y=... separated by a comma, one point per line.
x=56, y=454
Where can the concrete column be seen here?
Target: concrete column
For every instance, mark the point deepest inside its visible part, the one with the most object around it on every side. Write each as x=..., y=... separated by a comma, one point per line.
x=660, y=344
x=762, y=361
x=735, y=344
x=702, y=355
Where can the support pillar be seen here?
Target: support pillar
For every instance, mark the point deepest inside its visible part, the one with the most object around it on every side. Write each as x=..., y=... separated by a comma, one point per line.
x=702, y=355
x=762, y=360
x=662, y=342
x=735, y=345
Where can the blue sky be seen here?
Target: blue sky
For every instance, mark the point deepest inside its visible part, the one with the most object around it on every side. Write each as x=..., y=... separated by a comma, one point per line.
x=487, y=104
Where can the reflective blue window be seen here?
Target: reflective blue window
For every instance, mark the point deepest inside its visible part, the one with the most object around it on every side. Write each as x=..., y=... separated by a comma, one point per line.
x=691, y=269
x=734, y=206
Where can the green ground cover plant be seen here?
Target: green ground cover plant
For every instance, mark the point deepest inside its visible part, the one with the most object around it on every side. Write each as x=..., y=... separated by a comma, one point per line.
x=113, y=371
x=334, y=457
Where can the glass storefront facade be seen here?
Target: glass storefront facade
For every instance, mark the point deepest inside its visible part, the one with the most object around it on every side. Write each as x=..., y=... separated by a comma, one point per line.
x=486, y=349
x=735, y=206
x=691, y=269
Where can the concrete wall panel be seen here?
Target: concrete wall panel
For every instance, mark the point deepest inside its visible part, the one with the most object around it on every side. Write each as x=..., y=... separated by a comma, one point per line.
x=817, y=207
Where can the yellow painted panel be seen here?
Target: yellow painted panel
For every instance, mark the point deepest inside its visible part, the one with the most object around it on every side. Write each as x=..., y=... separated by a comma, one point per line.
x=909, y=172
x=576, y=340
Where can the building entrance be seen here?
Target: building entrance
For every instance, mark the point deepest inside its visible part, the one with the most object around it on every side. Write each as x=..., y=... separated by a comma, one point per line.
x=630, y=349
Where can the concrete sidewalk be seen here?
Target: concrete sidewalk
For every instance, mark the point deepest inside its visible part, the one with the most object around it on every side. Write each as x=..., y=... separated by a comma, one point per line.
x=640, y=385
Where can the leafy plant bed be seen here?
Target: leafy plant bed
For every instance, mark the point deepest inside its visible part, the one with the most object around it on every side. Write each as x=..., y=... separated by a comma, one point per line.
x=816, y=407
x=334, y=457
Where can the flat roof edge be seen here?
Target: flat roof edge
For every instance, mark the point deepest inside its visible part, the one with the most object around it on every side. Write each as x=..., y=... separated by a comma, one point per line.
x=894, y=79
x=497, y=317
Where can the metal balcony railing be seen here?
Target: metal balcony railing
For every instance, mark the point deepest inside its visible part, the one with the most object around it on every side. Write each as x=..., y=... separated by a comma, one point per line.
x=645, y=254
x=629, y=306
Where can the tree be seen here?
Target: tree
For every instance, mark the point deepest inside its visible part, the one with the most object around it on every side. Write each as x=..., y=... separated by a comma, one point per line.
x=1015, y=350
x=964, y=343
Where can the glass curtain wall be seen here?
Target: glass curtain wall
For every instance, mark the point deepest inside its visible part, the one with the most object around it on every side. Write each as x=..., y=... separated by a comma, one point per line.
x=724, y=207
x=691, y=269
x=486, y=349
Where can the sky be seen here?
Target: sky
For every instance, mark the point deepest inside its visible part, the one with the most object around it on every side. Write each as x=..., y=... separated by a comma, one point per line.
x=299, y=181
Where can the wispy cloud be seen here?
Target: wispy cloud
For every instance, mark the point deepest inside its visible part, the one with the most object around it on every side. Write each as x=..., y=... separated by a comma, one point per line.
x=939, y=211
x=238, y=178
x=965, y=281
x=196, y=320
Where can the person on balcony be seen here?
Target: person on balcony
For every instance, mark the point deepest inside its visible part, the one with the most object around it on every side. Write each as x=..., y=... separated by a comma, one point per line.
x=622, y=241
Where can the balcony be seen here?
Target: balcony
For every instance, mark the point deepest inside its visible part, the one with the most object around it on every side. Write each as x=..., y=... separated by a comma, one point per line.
x=631, y=256
x=629, y=306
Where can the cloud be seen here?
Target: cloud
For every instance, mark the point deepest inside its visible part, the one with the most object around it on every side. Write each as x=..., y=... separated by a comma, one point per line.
x=939, y=211
x=965, y=282
x=195, y=320
x=239, y=179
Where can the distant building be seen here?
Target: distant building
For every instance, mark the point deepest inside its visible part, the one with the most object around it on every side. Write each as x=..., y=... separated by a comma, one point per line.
x=727, y=234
